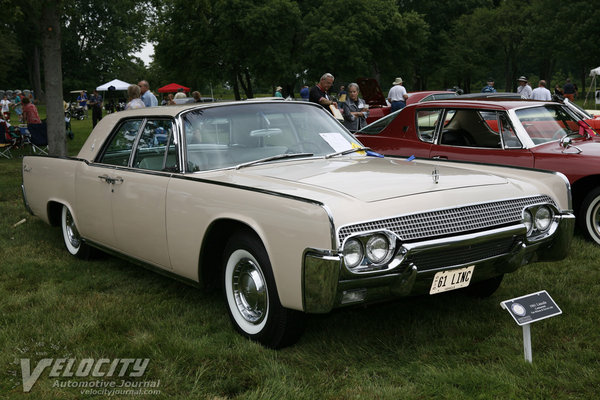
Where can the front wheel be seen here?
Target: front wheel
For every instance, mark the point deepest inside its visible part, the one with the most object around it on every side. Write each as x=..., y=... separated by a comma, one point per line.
x=73, y=241
x=251, y=295
x=589, y=215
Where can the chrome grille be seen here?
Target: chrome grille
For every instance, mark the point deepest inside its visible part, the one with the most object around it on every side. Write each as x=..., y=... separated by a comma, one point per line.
x=460, y=255
x=449, y=221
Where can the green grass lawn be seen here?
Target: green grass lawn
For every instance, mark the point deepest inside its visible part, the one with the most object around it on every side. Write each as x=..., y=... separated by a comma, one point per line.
x=446, y=346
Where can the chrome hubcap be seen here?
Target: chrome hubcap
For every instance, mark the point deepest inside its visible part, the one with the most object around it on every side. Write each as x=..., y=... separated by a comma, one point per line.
x=595, y=218
x=71, y=229
x=250, y=291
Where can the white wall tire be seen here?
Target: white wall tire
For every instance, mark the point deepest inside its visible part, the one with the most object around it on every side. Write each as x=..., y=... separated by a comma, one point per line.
x=251, y=295
x=246, y=292
x=589, y=215
x=73, y=242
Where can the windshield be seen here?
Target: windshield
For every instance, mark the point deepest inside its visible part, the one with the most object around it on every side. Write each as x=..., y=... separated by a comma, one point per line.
x=228, y=136
x=547, y=123
x=379, y=125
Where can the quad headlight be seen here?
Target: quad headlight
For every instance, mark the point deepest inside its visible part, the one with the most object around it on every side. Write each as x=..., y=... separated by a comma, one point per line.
x=538, y=221
x=369, y=252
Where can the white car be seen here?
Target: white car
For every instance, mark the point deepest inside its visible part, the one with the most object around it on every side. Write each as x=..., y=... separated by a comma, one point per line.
x=277, y=203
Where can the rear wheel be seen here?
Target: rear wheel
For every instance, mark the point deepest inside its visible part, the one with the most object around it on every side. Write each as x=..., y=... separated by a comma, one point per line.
x=73, y=242
x=589, y=215
x=251, y=295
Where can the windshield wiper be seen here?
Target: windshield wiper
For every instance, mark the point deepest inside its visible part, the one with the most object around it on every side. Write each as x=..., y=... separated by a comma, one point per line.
x=272, y=158
x=348, y=151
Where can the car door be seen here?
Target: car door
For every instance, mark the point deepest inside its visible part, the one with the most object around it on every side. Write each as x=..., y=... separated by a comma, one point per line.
x=479, y=136
x=94, y=192
x=139, y=196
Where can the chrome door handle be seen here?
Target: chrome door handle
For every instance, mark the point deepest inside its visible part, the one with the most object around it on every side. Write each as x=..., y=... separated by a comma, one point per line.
x=439, y=157
x=106, y=178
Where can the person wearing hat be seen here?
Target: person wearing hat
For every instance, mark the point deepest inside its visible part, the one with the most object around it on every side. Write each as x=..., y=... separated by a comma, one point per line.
x=490, y=86
x=524, y=89
x=278, y=91
x=397, y=95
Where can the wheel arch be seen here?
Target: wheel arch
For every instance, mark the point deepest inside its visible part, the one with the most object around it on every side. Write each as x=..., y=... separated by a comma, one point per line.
x=213, y=247
x=54, y=210
x=581, y=187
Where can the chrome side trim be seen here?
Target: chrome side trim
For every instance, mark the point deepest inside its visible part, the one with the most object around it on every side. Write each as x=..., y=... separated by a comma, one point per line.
x=25, y=202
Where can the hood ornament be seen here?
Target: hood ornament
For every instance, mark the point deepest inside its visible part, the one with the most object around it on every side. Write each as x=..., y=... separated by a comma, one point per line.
x=435, y=175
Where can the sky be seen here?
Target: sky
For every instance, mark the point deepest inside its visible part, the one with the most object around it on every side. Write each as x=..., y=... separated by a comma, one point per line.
x=146, y=53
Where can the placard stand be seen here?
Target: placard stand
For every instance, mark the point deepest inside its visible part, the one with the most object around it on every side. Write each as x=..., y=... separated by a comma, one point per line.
x=527, y=343
x=527, y=309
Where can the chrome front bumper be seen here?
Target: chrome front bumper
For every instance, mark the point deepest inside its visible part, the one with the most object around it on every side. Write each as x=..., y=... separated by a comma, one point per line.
x=327, y=284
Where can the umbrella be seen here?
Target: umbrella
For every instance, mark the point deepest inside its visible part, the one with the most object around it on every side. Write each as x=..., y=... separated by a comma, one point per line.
x=172, y=88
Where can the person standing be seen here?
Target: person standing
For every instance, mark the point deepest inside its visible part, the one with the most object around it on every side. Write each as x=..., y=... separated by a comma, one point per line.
x=95, y=102
x=133, y=92
x=82, y=100
x=490, y=87
x=5, y=103
x=320, y=92
x=304, y=92
x=524, y=89
x=541, y=93
x=147, y=96
x=569, y=90
x=18, y=106
x=30, y=112
x=397, y=95
x=278, y=90
x=355, y=110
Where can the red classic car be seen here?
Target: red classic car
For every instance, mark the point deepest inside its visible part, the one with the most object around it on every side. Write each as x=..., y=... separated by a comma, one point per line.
x=532, y=134
x=378, y=106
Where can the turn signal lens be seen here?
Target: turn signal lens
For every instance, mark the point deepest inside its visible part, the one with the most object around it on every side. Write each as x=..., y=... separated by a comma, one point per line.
x=528, y=221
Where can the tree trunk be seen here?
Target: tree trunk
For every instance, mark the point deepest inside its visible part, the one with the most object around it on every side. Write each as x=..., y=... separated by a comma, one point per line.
x=37, y=79
x=57, y=142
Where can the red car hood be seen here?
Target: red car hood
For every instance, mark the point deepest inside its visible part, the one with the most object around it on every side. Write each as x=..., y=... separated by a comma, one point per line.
x=589, y=147
x=371, y=92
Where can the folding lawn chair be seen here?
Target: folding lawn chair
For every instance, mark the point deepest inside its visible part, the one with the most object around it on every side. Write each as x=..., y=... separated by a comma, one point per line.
x=37, y=137
x=6, y=141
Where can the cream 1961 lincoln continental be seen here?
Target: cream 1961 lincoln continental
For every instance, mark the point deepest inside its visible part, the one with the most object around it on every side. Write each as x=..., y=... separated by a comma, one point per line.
x=276, y=202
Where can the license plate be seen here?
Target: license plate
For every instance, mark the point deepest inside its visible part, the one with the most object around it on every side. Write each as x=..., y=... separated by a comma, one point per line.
x=451, y=279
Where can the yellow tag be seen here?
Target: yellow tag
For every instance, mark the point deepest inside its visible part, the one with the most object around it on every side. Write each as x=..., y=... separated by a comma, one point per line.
x=357, y=146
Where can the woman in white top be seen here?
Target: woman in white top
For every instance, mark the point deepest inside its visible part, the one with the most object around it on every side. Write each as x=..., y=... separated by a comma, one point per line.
x=133, y=92
x=5, y=103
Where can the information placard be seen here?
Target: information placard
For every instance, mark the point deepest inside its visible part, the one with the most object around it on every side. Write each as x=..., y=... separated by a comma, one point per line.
x=532, y=307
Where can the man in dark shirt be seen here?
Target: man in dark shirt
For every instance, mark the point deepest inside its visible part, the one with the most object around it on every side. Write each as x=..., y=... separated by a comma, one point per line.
x=320, y=93
x=569, y=90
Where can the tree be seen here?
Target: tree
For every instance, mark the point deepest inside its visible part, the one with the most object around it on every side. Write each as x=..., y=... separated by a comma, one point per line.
x=51, y=39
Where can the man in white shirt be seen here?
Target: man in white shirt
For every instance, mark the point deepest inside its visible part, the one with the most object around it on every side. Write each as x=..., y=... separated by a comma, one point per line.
x=397, y=95
x=541, y=93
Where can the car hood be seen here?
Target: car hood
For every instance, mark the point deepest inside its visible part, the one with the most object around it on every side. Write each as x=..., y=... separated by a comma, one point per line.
x=588, y=147
x=371, y=92
x=371, y=179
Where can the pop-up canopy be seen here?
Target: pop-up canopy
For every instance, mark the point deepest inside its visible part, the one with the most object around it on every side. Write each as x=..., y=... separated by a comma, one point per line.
x=115, y=84
x=172, y=88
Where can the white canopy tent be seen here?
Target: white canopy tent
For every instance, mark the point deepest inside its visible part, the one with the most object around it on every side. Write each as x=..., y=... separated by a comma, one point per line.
x=117, y=84
x=593, y=73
